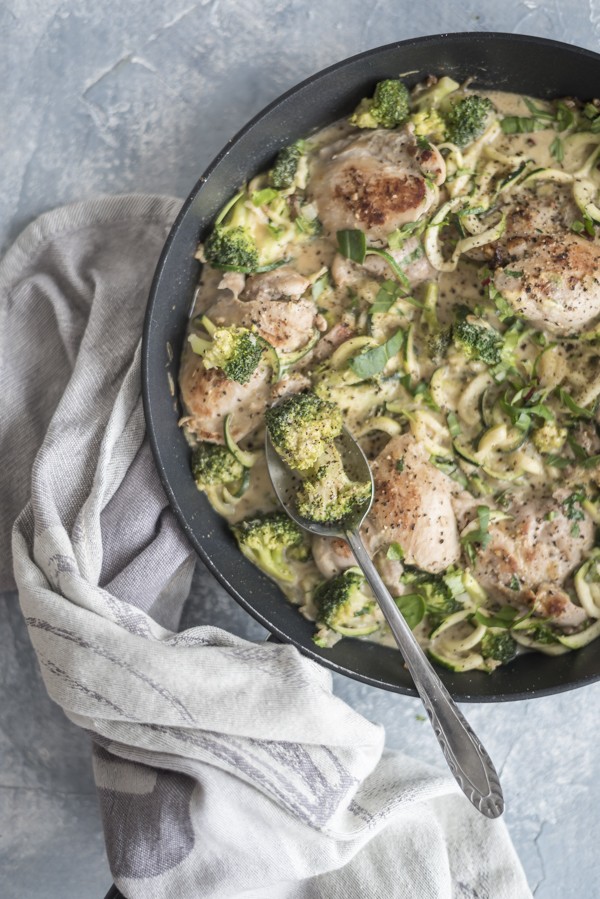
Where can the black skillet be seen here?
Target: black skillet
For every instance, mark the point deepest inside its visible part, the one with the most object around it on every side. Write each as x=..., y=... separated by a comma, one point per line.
x=535, y=66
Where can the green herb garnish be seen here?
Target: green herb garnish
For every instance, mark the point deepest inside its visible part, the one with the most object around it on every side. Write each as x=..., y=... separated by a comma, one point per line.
x=373, y=361
x=478, y=536
x=395, y=552
x=412, y=607
x=352, y=244
x=572, y=406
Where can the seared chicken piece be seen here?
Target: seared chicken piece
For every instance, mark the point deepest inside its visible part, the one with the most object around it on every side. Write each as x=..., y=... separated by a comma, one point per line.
x=337, y=334
x=376, y=182
x=281, y=283
x=546, y=210
x=413, y=507
x=233, y=281
x=209, y=397
x=549, y=275
x=272, y=303
x=332, y=555
x=531, y=555
x=554, y=603
x=558, y=283
x=391, y=570
x=292, y=382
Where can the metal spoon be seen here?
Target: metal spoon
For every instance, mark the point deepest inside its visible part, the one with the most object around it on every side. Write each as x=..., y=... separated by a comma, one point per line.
x=466, y=757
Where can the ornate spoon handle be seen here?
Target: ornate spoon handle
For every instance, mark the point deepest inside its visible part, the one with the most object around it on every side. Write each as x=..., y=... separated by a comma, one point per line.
x=466, y=757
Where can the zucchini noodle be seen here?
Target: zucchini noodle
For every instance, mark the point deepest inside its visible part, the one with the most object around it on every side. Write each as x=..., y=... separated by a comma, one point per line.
x=432, y=243
x=468, y=405
x=426, y=429
x=452, y=644
x=548, y=649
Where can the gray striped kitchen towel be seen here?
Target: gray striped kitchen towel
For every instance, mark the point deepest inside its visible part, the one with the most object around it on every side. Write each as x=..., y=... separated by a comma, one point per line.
x=224, y=768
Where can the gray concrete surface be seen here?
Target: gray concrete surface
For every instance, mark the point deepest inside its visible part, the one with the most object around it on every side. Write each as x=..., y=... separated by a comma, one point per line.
x=101, y=97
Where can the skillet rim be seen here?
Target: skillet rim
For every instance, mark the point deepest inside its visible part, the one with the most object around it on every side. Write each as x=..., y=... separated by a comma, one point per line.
x=453, y=682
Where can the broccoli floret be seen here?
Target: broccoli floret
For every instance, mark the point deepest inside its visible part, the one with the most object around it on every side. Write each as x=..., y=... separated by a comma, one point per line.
x=543, y=634
x=213, y=464
x=345, y=606
x=328, y=494
x=468, y=118
x=240, y=240
x=438, y=338
x=389, y=106
x=270, y=541
x=300, y=427
x=236, y=351
x=476, y=338
x=498, y=646
x=307, y=227
x=429, y=123
x=437, y=591
x=549, y=438
x=232, y=248
x=285, y=169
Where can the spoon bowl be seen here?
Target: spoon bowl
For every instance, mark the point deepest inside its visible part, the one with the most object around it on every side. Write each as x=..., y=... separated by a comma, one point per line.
x=286, y=483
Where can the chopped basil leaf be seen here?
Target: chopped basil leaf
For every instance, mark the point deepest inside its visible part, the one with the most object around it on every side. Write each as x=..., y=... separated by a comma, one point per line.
x=586, y=225
x=572, y=506
x=537, y=111
x=395, y=267
x=504, y=617
x=557, y=149
x=386, y=296
x=557, y=461
x=395, y=552
x=450, y=468
x=572, y=406
x=522, y=124
x=412, y=607
x=375, y=360
x=353, y=245
x=319, y=286
x=398, y=237
x=478, y=535
x=260, y=197
x=565, y=117
x=578, y=451
x=453, y=424
x=590, y=462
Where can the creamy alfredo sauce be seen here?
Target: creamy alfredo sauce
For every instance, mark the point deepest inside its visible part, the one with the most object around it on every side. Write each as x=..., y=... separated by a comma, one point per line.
x=510, y=438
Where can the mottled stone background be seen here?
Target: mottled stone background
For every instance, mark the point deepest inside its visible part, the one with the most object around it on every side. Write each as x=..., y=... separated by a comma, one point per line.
x=101, y=97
